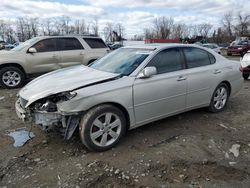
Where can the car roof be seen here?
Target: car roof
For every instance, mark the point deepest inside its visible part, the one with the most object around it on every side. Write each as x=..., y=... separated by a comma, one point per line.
x=59, y=36
x=158, y=46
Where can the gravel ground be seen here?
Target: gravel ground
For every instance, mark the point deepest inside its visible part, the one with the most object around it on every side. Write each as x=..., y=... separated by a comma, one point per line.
x=193, y=149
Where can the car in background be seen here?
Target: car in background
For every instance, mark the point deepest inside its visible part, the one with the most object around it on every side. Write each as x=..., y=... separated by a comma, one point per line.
x=239, y=48
x=245, y=65
x=40, y=55
x=11, y=46
x=213, y=46
x=115, y=46
x=127, y=88
x=2, y=44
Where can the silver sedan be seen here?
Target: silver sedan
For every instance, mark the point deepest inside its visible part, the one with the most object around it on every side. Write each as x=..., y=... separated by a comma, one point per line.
x=127, y=88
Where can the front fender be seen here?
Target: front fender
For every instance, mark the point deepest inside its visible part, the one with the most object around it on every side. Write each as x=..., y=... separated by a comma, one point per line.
x=118, y=92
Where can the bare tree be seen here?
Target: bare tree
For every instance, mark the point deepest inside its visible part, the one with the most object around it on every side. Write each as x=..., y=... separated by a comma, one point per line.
x=180, y=31
x=82, y=27
x=163, y=27
x=243, y=24
x=227, y=22
x=47, y=26
x=34, y=23
x=119, y=28
x=108, y=32
x=204, y=29
x=95, y=27
x=3, y=29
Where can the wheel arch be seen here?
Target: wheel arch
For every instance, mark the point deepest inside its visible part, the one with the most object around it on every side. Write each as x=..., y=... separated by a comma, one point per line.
x=13, y=65
x=228, y=85
x=120, y=107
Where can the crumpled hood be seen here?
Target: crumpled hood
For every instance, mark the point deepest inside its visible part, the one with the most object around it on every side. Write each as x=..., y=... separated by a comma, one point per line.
x=62, y=80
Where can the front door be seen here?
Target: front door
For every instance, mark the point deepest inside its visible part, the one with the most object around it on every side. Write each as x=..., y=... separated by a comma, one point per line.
x=45, y=59
x=162, y=94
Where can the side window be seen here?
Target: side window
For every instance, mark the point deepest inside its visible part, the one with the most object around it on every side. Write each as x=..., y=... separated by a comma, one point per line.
x=167, y=61
x=95, y=43
x=64, y=44
x=46, y=45
x=212, y=58
x=196, y=57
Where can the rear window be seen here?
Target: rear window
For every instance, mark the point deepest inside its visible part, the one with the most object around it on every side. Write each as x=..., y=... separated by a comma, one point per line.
x=95, y=43
x=212, y=58
x=196, y=57
x=65, y=44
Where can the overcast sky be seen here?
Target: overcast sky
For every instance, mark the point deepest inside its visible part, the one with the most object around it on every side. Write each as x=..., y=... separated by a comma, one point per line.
x=133, y=14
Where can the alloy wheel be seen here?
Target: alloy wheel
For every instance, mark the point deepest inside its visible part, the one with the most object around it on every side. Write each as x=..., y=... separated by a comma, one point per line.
x=105, y=129
x=11, y=78
x=220, y=98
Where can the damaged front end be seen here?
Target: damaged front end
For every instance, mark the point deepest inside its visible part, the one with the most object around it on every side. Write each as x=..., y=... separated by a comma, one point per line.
x=44, y=112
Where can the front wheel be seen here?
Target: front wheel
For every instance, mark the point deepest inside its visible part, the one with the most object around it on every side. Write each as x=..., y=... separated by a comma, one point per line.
x=219, y=98
x=102, y=127
x=11, y=77
x=245, y=76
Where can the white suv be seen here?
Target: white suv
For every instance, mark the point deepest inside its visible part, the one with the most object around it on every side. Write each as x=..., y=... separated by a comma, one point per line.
x=40, y=55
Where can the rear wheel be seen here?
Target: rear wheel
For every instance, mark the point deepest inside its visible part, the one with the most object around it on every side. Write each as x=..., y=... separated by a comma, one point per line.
x=245, y=76
x=219, y=98
x=102, y=127
x=11, y=77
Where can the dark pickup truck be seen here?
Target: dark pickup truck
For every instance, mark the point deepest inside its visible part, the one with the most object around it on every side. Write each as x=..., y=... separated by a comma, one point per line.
x=239, y=49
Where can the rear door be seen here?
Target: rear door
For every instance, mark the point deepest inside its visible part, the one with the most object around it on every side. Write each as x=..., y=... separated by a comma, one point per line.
x=71, y=51
x=162, y=94
x=46, y=58
x=97, y=49
x=203, y=74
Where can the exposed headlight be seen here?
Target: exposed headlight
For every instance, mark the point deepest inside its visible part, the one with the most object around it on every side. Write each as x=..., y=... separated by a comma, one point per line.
x=69, y=95
x=239, y=48
x=48, y=104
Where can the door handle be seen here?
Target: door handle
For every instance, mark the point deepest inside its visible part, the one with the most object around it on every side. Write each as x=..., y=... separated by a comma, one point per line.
x=217, y=71
x=81, y=53
x=181, y=78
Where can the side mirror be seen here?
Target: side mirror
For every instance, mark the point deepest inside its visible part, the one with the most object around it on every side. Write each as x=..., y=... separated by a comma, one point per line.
x=147, y=72
x=32, y=50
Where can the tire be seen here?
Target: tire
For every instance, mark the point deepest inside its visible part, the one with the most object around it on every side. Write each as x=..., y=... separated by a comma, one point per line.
x=95, y=131
x=11, y=77
x=245, y=76
x=219, y=99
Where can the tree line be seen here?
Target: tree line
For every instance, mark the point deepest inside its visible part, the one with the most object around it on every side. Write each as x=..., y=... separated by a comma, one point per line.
x=230, y=27
x=23, y=29
x=163, y=27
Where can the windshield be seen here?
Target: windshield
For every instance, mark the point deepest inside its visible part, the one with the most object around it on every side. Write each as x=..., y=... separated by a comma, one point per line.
x=122, y=61
x=25, y=44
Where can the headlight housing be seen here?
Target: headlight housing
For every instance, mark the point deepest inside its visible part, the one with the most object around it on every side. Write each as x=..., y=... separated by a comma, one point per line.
x=48, y=104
